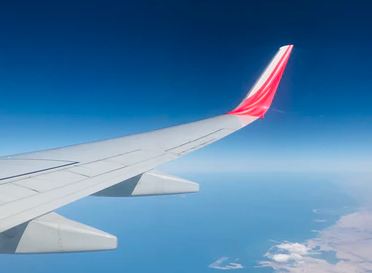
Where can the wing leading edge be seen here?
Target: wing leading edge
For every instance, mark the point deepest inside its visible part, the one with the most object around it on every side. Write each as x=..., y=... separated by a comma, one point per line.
x=33, y=185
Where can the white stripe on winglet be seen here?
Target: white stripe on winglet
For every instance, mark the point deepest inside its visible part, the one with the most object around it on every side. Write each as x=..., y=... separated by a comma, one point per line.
x=268, y=71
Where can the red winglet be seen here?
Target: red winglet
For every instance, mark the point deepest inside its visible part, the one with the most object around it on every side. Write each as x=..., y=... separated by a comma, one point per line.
x=259, y=98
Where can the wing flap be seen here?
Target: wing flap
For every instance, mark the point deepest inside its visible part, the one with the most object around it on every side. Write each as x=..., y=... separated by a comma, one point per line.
x=150, y=183
x=54, y=233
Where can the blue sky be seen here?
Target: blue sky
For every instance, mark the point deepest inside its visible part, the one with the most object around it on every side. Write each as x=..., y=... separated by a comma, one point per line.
x=76, y=71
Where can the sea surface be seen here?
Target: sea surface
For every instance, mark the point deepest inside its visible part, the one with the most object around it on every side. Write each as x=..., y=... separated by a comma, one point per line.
x=230, y=224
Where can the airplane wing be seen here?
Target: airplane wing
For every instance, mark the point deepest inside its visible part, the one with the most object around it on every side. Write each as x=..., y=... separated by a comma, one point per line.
x=33, y=185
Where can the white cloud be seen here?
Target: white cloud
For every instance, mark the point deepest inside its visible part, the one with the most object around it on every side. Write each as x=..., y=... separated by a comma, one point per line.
x=294, y=248
x=281, y=258
x=226, y=263
x=285, y=258
x=287, y=253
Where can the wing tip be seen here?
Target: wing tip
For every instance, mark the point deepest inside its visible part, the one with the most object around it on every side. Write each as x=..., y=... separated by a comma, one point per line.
x=286, y=46
x=259, y=98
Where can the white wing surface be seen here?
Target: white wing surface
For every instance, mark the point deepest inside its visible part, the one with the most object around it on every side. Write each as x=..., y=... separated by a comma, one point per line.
x=33, y=185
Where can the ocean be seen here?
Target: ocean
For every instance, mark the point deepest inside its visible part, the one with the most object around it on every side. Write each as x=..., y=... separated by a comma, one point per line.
x=230, y=224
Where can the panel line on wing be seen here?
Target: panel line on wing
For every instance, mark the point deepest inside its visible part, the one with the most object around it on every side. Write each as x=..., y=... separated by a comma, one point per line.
x=193, y=140
x=38, y=171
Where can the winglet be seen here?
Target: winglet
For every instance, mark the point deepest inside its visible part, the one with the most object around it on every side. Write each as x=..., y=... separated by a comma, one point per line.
x=259, y=98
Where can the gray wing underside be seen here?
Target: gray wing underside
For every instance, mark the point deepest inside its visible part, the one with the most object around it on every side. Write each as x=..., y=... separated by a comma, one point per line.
x=35, y=184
